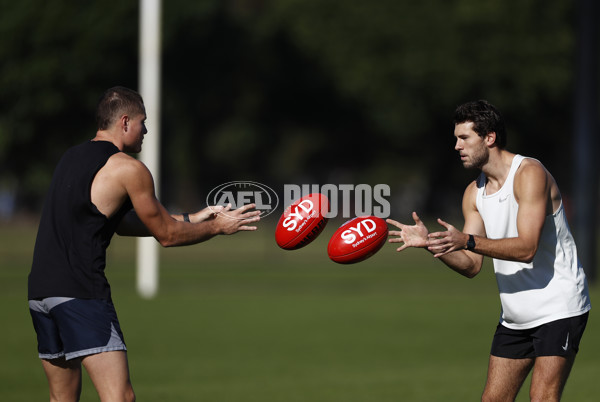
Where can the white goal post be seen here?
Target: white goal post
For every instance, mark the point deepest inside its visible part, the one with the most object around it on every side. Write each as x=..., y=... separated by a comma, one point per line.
x=149, y=88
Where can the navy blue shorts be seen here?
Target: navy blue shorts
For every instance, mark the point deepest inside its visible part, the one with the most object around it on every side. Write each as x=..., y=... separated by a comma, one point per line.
x=75, y=327
x=556, y=338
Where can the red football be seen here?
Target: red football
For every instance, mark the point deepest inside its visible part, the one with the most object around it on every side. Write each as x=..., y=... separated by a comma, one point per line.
x=302, y=221
x=357, y=239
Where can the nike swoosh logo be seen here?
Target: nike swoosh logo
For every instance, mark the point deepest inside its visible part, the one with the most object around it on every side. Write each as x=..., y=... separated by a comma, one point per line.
x=566, y=343
x=504, y=199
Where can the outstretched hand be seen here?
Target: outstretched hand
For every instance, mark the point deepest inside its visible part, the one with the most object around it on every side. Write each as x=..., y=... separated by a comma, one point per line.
x=410, y=236
x=442, y=243
x=230, y=221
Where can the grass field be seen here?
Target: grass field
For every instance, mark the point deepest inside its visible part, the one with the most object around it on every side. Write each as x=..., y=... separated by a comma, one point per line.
x=238, y=319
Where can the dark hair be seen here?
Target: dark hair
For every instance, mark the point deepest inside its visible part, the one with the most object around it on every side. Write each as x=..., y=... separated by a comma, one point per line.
x=486, y=119
x=115, y=102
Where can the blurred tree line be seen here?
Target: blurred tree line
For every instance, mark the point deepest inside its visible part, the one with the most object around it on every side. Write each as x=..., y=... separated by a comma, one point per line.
x=292, y=91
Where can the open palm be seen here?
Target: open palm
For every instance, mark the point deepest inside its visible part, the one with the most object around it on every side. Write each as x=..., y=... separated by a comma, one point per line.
x=410, y=235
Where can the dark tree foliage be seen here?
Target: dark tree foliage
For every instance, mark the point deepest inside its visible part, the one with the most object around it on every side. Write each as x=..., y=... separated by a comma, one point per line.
x=292, y=91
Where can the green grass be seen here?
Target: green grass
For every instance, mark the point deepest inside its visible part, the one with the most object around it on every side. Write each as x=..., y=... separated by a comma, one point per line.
x=238, y=319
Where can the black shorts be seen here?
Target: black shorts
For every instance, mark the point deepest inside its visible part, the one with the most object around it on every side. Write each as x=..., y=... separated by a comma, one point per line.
x=556, y=338
x=75, y=327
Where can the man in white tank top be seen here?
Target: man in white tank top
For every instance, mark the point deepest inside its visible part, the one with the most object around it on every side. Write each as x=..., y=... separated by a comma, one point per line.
x=514, y=214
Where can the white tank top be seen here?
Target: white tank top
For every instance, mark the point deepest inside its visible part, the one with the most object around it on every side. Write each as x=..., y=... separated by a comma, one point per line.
x=553, y=286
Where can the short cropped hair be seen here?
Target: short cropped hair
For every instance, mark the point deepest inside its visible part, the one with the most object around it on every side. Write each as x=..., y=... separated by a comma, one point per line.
x=486, y=119
x=114, y=103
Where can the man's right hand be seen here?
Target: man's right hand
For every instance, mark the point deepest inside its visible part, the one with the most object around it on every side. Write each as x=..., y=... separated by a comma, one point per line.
x=228, y=221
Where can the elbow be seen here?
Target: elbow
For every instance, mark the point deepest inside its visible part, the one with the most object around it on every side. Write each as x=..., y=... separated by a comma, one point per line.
x=473, y=269
x=527, y=259
x=526, y=250
x=167, y=240
x=166, y=243
x=477, y=264
x=527, y=256
x=471, y=273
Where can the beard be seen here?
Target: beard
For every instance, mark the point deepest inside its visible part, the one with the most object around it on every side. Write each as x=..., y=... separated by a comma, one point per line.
x=478, y=159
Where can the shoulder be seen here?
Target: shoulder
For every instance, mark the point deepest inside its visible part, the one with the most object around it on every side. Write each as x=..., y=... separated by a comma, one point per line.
x=532, y=181
x=530, y=170
x=531, y=162
x=473, y=186
x=470, y=194
x=124, y=170
x=125, y=163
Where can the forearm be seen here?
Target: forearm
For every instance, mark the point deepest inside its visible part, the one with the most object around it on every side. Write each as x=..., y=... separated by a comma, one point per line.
x=207, y=223
x=468, y=263
x=172, y=230
x=131, y=225
x=450, y=247
x=463, y=262
x=180, y=232
x=511, y=249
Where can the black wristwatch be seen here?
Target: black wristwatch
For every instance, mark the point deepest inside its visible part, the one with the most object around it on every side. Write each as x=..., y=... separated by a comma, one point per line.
x=471, y=243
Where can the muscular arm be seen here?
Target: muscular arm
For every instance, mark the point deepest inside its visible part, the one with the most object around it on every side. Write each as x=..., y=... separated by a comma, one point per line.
x=131, y=225
x=123, y=177
x=532, y=190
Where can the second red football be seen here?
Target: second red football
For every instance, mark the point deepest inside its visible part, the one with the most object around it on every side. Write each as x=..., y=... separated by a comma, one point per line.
x=357, y=239
x=302, y=221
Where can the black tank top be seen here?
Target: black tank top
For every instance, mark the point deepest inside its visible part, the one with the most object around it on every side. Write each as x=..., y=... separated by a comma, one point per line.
x=70, y=249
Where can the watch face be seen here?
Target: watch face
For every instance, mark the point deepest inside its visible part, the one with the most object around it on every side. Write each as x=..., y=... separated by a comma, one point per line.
x=471, y=242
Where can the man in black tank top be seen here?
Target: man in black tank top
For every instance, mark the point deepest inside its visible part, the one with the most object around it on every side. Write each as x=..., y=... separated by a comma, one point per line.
x=98, y=190
x=73, y=250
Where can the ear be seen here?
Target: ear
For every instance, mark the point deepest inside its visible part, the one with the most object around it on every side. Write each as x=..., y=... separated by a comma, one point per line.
x=490, y=138
x=124, y=122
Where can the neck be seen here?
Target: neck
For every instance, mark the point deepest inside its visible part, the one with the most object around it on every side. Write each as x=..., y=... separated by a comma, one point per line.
x=497, y=168
x=107, y=135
